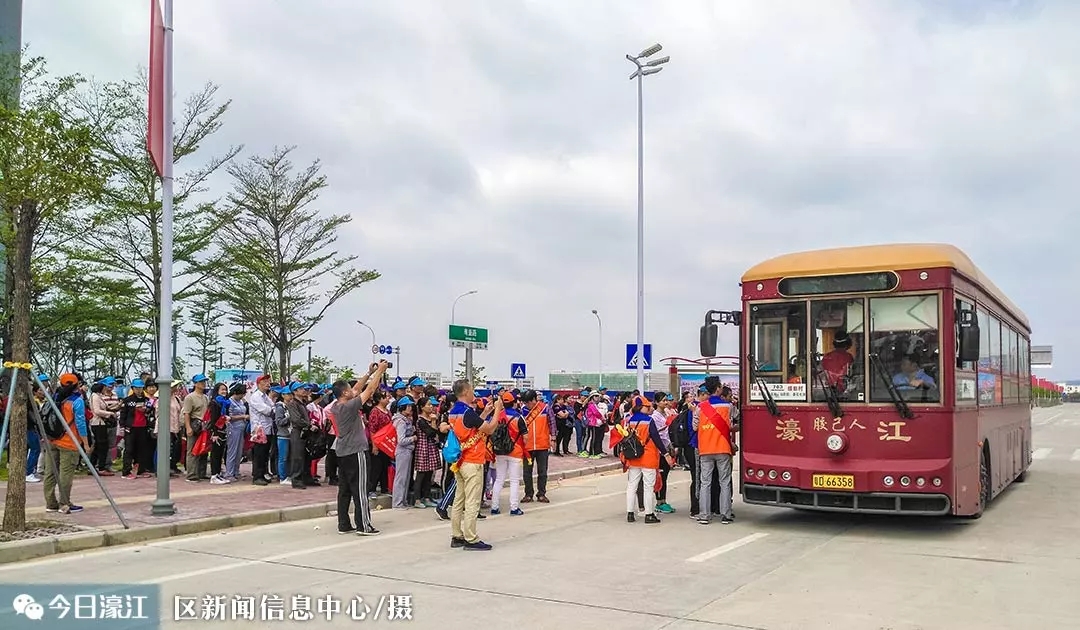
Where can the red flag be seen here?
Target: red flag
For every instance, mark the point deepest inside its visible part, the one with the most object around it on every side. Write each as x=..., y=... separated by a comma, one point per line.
x=155, y=126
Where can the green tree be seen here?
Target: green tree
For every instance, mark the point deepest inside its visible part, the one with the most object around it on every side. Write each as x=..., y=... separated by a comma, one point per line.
x=322, y=370
x=47, y=168
x=478, y=378
x=247, y=347
x=204, y=331
x=123, y=232
x=285, y=252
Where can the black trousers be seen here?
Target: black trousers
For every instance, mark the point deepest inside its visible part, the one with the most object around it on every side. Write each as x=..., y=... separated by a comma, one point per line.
x=331, y=465
x=218, y=451
x=714, y=487
x=273, y=456
x=100, y=456
x=352, y=480
x=138, y=449
x=596, y=444
x=422, y=485
x=540, y=458
x=562, y=437
x=175, y=444
x=298, y=471
x=260, y=459
x=380, y=466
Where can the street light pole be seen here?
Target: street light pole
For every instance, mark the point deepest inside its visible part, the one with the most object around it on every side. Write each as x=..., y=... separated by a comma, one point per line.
x=600, y=350
x=452, y=322
x=643, y=70
x=372, y=331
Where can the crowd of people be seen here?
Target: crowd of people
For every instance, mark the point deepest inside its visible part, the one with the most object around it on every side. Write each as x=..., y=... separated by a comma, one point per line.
x=452, y=452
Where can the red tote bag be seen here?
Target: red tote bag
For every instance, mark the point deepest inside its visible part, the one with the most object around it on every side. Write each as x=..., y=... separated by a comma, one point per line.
x=385, y=439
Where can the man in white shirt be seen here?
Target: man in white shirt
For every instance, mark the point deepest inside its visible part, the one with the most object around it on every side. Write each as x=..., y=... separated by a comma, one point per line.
x=261, y=408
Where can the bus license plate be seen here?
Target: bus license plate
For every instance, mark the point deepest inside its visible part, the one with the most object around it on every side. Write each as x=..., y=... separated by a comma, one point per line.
x=834, y=482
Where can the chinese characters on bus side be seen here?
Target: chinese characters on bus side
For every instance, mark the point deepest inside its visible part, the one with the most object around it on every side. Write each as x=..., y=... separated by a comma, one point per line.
x=790, y=430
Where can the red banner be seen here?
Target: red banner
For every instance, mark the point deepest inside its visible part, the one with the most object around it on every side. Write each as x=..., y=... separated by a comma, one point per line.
x=155, y=125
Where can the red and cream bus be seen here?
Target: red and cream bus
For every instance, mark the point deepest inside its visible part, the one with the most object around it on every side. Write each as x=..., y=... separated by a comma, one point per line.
x=879, y=379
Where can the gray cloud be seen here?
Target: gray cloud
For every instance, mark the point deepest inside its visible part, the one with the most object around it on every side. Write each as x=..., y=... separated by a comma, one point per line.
x=493, y=147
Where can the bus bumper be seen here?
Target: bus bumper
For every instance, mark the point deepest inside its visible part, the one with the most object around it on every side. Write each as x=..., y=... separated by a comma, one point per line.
x=918, y=504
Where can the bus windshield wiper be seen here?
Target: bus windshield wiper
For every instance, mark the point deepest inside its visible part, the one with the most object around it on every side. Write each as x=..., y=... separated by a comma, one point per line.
x=894, y=393
x=828, y=390
x=762, y=387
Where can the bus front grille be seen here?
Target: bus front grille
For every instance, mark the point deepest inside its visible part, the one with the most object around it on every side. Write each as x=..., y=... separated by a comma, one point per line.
x=862, y=502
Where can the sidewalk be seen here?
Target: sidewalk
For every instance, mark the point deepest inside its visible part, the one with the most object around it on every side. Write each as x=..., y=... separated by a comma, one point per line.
x=200, y=507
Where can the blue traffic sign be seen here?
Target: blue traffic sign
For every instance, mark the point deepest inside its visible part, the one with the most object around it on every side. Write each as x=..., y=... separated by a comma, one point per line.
x=632, y=356
x=386, y=349
x=517, y=370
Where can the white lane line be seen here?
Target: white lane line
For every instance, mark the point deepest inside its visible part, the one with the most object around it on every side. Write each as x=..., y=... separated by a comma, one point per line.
x=1041, y=453
x=722, y=549
x=1075, y=456
x=443, y=526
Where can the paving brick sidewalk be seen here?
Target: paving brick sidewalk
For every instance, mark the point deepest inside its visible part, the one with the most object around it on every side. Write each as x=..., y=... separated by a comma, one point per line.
x=200, y=500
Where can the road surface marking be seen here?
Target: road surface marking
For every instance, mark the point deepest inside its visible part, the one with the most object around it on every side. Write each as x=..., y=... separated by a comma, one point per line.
x=1075, y=456
x=1041, y=453
x=722, y=549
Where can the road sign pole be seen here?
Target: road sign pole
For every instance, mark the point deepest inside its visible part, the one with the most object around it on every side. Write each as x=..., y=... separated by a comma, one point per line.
x=397, y=361
x=468, y=364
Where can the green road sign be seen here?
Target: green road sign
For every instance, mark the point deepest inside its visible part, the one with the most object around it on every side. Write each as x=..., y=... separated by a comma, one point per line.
x=468, y=337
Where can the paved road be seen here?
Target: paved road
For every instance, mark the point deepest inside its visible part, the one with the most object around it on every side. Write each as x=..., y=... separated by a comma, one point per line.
x=575, y=563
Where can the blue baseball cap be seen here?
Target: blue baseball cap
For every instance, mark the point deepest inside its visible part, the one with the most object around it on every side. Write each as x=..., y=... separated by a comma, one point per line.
x=398, y=384
x=108, y=381
x=138, y=383
x=416, y=381
x=43, y=378
x=405, y=401
x=199, y=378
x=295, y=387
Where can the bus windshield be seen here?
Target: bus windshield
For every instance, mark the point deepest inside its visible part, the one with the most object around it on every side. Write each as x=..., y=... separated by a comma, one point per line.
x=904, y=333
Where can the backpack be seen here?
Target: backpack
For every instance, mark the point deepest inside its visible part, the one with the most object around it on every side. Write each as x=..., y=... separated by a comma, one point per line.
x=501, y=442
x=52, y=423
x=679, y=430
x=630, y=447
x=451, y=451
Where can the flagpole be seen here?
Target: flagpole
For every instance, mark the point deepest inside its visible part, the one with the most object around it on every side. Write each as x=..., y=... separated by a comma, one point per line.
x=163, y=505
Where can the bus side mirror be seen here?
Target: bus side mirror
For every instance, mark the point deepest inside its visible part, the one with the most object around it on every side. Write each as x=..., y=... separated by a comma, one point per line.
x=709, y=333
x=968, y=337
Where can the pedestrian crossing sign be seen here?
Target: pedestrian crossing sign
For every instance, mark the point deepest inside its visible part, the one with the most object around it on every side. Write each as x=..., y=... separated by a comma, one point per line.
x=517, y=370
x=632, y=357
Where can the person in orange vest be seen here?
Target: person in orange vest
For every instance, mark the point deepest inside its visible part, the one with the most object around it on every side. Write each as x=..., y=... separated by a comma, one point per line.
x=472, y=431
x=643, y=469
x=63, y=451
x=508, y=465
x=538, y=424
x=712, y=422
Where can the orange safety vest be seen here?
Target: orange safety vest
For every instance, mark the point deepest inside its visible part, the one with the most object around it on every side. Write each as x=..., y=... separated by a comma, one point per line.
x=651, y=458
x=67, y=410
x=714, y=428
x=474, y=445
x=538, y=437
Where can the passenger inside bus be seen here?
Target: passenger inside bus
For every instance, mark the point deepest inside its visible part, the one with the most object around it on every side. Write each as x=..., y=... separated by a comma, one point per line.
x=911, y=376
x=837, y=364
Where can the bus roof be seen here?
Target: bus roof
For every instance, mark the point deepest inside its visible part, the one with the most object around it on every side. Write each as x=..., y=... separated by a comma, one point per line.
x=895, y=257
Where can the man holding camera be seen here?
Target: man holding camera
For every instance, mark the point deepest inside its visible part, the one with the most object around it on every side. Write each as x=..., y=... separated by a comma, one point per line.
x=472, y=431
x=352, y=449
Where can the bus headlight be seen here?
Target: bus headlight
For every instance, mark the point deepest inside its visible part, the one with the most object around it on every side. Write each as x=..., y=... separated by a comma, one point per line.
x=760, y=474
x=920, y=482
x=905, y=481
x=786, y=476
x=772, y=474
x=836, y=443
x=888, y=480
x=936, y=482
x=750, y=472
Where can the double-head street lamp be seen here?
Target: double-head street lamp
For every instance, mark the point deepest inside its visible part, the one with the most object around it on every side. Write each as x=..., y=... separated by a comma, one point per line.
x=643, y=69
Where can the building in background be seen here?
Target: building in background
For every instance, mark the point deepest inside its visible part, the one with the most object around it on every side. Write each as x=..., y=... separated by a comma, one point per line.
x=615, y=381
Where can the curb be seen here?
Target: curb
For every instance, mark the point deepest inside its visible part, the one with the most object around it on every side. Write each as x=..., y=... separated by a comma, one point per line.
x=22, y=550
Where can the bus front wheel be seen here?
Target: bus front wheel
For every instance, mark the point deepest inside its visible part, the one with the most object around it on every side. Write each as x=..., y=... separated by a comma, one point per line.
x=984, y=480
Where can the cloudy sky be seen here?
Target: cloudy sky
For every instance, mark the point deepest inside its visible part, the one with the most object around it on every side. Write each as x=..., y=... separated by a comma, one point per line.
x=491, y=146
